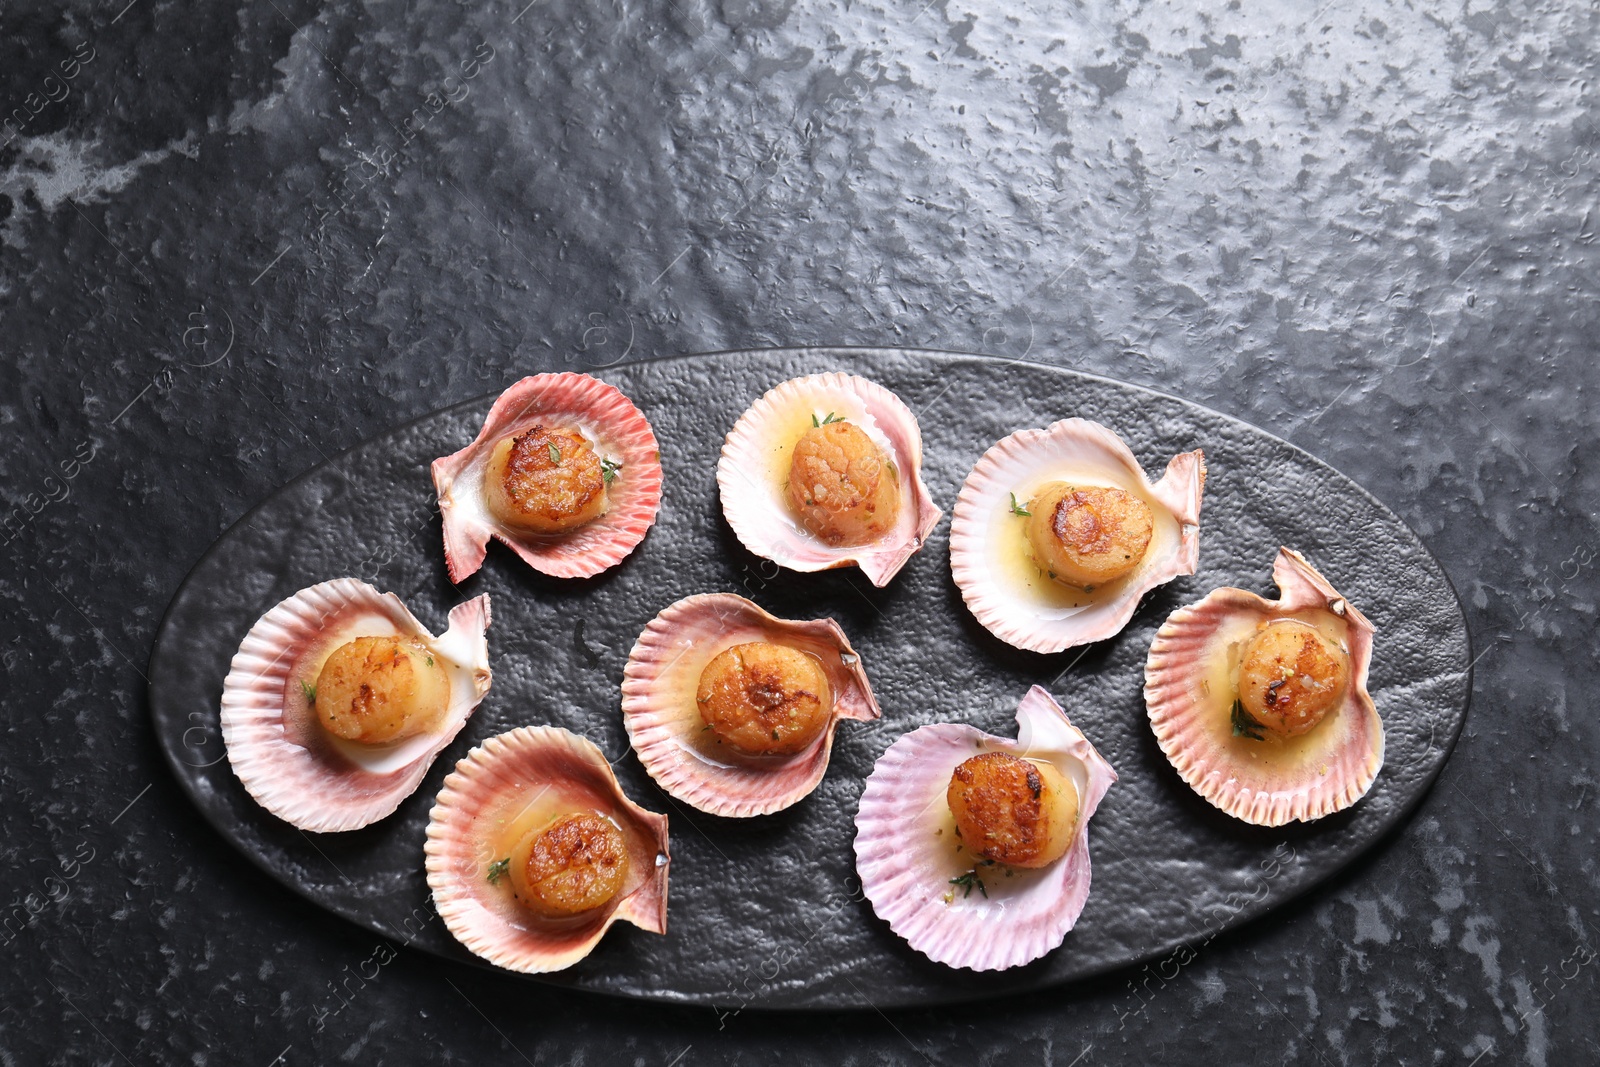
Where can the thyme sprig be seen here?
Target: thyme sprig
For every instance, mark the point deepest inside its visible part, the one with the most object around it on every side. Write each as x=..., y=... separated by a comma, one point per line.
x=967, y=882
x=1245, y=724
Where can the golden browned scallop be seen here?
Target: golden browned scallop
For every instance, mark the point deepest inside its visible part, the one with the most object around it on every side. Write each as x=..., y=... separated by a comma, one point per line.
x=576, y=864
x=545, y=480
x=1087, y=535
x=764, y=699
x=840, y=486
x=1291, y=676
x=1019, y=812
x=380, y=689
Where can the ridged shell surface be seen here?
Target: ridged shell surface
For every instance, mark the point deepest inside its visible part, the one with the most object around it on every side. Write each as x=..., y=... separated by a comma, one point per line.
x=907, y=851
x=1187, y=691
x=281, y=753
x=535, y=769
x=754, y=467
x=990, y=559
x=618, y=431
x=663, y=720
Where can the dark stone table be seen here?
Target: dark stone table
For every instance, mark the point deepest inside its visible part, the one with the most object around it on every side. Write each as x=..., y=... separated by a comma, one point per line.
x=233, y=244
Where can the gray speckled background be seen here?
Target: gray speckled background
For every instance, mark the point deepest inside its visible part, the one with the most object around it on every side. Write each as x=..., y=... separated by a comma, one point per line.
x=1366, y=227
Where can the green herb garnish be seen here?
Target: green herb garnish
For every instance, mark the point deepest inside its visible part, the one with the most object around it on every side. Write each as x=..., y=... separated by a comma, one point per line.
x=498, y=868
x=967, y=881
x=1245, y=725
x=430, y=661
x=1018, y=509
x=555, y=453
x=609, y=469
x=831, y=418
x=310, y=691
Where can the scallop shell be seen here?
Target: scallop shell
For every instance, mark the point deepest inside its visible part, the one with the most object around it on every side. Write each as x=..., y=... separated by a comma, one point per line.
x=279, y=750
x=905, y=837
x=755, y=464
x=487, y=788
x=1324, y=771
x=616, y=428
x=664, y=724
x=1026, y=609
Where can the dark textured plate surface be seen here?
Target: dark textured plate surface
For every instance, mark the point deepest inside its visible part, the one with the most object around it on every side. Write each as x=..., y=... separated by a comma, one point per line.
x=766, y=912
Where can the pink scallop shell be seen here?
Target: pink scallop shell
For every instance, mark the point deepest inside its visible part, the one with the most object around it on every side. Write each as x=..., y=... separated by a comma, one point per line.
x=752, y=498
x=905, y=868
x=489, y=783
x=1031, y=455
x=615, y=426
x=1337, y=767
x=275, y=745
x=663, y=721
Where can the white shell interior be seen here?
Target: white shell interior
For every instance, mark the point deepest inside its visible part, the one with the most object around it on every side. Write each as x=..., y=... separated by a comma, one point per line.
x=753, y=472
x=908, y=856
x=993, y=562
x=467, y=493
x=792, y=412
x=1008, y=561
x=455, y=654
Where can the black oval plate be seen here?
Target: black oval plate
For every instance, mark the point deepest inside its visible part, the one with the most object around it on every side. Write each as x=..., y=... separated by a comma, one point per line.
x=767, y=912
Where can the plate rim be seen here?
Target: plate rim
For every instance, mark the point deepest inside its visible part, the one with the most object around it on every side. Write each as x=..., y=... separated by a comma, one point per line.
x=1248, y=917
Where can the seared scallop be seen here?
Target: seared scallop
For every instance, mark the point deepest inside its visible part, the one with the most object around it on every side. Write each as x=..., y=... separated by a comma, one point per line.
x=1262, y=705
x=338, y=700
x=826, y=471
x=565, y=471
x=1014, y=811
x=545, y=480
x=975, y=848
x=733, y=710
x=1058, y=534
x=762, y=698
x=533, y=851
